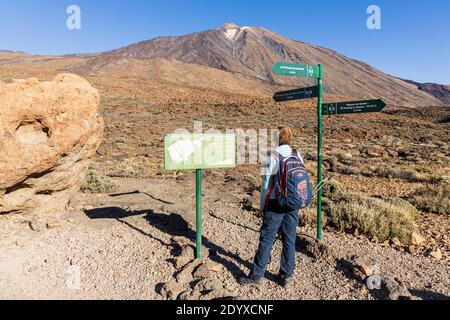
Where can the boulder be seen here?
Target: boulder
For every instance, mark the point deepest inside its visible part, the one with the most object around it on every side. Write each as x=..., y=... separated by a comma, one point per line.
x=387, y=287
x=49, y=133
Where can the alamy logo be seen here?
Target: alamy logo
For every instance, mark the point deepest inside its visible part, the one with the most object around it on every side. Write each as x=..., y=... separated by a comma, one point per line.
x=374, y=20
x=74, y=20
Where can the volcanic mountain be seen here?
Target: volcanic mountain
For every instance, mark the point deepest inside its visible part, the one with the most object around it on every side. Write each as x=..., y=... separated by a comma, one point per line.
x=440, y=91
x=229, y=59
x=248, y=53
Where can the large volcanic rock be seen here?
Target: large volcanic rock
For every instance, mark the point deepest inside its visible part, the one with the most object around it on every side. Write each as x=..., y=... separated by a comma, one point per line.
x=49, y=131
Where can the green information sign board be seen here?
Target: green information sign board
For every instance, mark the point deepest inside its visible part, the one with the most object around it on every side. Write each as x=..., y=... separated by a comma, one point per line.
x=296, y=70
x=352, y=107
x=199, y=151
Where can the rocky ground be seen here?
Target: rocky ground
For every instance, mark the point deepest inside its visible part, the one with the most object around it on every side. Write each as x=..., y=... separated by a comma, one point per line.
x=130, y=245
x=124, y=244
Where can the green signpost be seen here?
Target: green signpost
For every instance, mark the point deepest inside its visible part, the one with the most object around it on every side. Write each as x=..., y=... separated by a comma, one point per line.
x=197, y=152
x=297, y=94
x=366, y=106
x=296, y=70
x=307, y=71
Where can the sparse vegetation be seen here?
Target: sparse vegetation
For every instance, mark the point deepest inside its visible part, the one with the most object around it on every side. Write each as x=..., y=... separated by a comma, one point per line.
x=124, y=169
x=384, y=219
x=432, y=198
x=97, y=183
x=411, y=175
x=424, y=169
x=381, y=218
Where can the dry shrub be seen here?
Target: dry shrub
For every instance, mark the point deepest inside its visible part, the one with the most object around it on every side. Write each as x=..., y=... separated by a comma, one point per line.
x=381, y=218
x=123, y=169
x=432, y=198
x=410, y=175
x=95, y=182
x=405, y=174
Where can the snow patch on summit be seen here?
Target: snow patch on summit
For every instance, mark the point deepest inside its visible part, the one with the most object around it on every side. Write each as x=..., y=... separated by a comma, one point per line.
x=231, y=33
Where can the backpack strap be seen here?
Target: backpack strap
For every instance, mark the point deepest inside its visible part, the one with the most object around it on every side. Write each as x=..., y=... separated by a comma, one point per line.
x=279, y=157
x=296, y=153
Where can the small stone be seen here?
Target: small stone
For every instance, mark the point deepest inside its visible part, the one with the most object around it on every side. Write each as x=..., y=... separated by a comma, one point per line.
x=202, y=272
x=209, y=285
x=184, y=295
x=214, y=266
x=417, y=239
x=171, y=290
x=185, y=275
x=342, y=297
x=20, y=243
x=33, y=269
x=36, y=225
x=369, y=270
x=396, y=242
x=437, y=254
x=49, y=260
x=347, y=156
x=53, y=224
x=411, y=249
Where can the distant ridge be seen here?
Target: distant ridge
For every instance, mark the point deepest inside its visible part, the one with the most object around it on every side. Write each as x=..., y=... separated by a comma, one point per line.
x=247, y=54
x=440, y=91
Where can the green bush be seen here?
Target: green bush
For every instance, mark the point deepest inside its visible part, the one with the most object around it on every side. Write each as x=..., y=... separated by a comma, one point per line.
x=95, y=182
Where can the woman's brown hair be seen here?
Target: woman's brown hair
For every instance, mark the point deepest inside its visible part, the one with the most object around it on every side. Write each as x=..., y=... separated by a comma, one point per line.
x=285, y=136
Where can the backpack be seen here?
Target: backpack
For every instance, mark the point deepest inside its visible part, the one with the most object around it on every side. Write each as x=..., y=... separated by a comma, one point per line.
x=291, y=183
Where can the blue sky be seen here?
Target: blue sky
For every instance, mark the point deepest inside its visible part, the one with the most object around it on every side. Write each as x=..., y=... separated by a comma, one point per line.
x=413, y=43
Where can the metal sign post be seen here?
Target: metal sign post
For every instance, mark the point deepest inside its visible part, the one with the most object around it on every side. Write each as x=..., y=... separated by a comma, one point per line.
x=319, y=154
x=198, y=205
x=307, y=71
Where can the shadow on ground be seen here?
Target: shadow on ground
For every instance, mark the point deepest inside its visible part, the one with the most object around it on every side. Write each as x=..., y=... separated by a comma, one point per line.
x=175, y=225
x=429, y=295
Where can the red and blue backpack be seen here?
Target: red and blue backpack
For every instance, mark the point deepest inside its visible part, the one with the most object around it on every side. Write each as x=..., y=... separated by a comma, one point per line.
x=291, y=183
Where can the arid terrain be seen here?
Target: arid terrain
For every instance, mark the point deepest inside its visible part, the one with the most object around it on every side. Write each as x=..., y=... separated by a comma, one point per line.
x=128, y=240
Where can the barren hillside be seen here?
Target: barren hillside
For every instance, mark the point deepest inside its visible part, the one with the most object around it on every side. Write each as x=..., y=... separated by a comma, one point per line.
x=250, y=52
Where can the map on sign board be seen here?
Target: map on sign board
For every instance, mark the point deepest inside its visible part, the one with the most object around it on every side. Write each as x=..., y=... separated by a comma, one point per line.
x=199, y=151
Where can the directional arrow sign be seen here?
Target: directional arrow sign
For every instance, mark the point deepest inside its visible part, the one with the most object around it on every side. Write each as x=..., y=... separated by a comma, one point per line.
x=296, y=70
x=353, y=107
x=297, y=94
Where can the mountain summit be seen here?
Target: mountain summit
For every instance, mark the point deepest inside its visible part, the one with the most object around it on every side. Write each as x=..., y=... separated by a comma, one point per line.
x=229, y=26
x=249, y=52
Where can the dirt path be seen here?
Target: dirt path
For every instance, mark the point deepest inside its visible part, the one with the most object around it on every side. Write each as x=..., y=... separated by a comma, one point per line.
x=120, y=248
